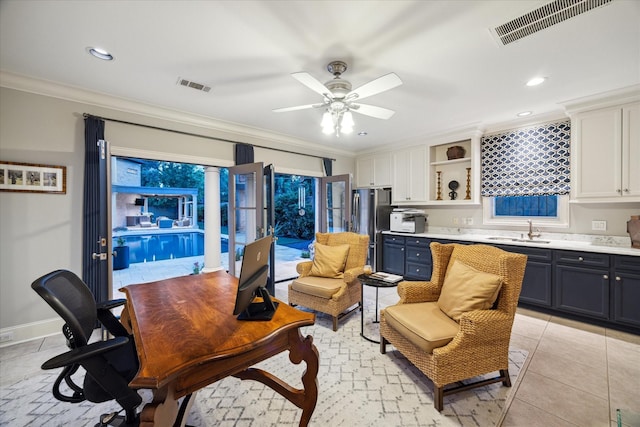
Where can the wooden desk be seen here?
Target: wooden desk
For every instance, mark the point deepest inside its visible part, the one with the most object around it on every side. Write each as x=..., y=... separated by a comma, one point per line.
x=187, y=338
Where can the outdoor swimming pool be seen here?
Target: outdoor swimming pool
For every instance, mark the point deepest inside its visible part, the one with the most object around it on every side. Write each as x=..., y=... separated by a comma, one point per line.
x=156, y=247
x=149, y=247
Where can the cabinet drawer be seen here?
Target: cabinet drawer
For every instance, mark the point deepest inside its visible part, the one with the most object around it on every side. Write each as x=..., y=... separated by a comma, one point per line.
x=417, y=271
x=418, y=255
x=581, y=258
x=533, y=254
x=388, y=238
x=630, y=263
x=417, y=242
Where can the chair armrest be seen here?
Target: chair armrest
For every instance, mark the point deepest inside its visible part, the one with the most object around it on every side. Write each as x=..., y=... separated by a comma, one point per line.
x=412, y=291
x=489, y=322
x=352, y=274
x=109, y=320
x=78, y=355
x=303, y=268
x=492, y=325
x=108, y=305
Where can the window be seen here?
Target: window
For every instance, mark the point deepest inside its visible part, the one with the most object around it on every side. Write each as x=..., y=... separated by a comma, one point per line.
x=542, y=206
x=512, y=214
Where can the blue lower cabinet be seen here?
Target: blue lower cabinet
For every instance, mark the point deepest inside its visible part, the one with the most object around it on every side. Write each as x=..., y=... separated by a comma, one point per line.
x=418, y=258
x=626, y=290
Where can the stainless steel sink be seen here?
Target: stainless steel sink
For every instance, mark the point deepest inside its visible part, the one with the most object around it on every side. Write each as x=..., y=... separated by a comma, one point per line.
x=530, y=241
x=511, y=239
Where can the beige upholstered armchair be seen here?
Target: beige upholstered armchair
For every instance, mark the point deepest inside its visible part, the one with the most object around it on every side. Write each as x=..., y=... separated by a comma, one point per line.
x=329, y=283
x=458, y=325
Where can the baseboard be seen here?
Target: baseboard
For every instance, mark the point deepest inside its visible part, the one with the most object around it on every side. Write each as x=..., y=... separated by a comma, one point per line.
x=30, y=331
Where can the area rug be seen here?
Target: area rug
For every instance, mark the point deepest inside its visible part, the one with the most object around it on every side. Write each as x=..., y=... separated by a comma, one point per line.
x=358, y=386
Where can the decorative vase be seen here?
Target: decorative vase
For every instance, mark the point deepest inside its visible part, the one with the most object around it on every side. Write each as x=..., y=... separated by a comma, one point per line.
x=633, y=228
x=455, y=152
x=120, y=257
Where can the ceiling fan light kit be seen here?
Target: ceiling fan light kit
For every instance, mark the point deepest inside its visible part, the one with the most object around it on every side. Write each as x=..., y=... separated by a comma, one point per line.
x=339, y=100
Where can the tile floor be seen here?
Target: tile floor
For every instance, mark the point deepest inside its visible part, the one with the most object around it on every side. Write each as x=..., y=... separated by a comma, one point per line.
x=577, y=374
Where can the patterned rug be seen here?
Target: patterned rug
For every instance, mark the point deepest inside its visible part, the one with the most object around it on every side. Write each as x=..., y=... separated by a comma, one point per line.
x=358, y=386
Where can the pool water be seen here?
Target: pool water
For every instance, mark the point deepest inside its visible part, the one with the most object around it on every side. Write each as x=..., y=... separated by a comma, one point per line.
x=157, y=247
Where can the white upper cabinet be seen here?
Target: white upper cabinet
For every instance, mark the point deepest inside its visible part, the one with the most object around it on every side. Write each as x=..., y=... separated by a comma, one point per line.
x=373, y=171
x=409, y=178
x=605, y=154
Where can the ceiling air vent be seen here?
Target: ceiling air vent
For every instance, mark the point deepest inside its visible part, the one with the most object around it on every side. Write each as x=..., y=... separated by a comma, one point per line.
x=550, y=14
x=193, y=85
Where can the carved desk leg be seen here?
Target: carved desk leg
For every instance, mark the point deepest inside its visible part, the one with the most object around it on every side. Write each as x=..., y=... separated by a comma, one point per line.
x=162, y=411
x=299, y=349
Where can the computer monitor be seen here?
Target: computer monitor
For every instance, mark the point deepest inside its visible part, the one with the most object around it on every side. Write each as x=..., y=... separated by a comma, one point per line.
x=253, y=279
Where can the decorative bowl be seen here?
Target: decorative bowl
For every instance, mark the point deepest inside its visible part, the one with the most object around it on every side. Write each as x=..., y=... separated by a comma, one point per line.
x=455, y=152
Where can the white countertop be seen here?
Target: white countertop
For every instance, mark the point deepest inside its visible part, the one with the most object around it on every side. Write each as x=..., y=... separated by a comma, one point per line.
x=573, y=242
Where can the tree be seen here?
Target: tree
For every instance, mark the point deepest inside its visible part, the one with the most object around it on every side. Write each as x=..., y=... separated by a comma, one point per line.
x=289, y=222
x=173, y=175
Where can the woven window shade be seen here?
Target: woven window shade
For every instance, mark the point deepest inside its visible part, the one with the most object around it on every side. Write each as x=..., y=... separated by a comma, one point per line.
x=531, y=161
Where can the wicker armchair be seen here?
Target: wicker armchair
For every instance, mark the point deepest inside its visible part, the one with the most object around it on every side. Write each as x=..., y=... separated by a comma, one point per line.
x=479, y=343
x=333, y=296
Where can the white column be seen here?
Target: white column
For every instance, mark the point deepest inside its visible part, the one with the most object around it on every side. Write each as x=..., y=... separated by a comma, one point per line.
x=212, y=220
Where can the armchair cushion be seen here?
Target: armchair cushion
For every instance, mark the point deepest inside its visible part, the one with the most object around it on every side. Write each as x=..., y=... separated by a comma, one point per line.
x=323, y=287
x=329, y=261
x=410, y=320
x=466, y=289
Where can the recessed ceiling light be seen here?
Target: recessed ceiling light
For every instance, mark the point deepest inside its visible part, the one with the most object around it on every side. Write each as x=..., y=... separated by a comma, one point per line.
x=524, y=113
x=100, y=53
x=362, y=133
x=536, y=81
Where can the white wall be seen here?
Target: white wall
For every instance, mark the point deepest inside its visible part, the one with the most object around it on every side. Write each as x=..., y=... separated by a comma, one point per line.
x=42, y=232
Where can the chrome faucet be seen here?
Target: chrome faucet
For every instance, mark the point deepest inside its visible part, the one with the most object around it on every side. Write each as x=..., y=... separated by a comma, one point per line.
x=531, y=234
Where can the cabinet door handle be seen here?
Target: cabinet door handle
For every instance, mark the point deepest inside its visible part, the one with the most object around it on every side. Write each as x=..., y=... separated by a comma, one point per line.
x=618, y=191
x=402, y=249
x=604, y=276
x=618, y=278
x=417, y=270
x=418, y=254
x=626, y=190
x=580, y=259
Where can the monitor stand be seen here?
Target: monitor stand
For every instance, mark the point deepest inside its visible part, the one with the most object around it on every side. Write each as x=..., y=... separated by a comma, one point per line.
x=260, y=310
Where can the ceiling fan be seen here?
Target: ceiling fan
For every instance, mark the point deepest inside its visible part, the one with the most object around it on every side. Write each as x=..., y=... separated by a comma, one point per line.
x=339, y=100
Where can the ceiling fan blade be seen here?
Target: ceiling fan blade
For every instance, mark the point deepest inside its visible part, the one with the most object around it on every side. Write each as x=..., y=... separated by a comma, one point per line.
x=373, y=111
x=298, y=107
x=312, y=83
x=374, y=87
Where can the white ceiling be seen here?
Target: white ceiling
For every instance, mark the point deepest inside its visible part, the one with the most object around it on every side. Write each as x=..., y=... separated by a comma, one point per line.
x=454, y=72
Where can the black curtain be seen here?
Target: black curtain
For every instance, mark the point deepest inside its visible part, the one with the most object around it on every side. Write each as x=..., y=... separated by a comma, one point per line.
x=95, y=270
x=328, y=166
x=244, y=154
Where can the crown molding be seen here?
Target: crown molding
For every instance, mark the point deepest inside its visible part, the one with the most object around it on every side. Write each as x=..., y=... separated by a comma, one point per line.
x=603, y=100
x=247, y=134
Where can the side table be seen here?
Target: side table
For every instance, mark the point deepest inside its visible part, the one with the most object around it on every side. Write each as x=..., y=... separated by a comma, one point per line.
x=367, y=280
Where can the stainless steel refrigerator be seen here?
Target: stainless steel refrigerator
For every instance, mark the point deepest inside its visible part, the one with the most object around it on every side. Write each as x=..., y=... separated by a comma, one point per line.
x=370, y=215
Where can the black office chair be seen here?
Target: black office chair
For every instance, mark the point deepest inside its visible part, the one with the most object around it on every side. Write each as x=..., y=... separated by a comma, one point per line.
x=110, y=364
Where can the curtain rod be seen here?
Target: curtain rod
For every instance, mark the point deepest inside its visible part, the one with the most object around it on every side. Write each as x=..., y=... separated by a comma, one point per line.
x=85, y=115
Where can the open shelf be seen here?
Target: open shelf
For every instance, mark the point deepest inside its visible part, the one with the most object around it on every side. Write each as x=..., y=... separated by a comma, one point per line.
x=458, y=170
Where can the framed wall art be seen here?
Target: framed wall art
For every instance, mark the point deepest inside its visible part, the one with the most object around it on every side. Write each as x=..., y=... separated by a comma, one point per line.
x=33, y=178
